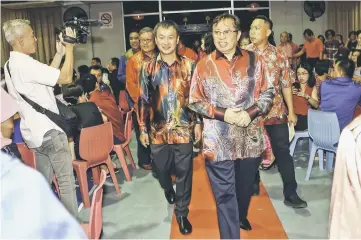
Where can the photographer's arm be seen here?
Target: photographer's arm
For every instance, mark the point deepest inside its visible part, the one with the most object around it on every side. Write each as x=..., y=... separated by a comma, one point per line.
x=56, y=60
x=66, y=72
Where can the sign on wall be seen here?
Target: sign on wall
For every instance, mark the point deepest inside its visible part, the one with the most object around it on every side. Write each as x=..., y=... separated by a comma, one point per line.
x=107, y=19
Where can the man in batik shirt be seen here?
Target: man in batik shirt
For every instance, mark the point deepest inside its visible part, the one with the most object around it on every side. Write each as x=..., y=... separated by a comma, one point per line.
x=231, y=92
x=123, y=60
x=277, y=68
x=134, y=65
x=165, y=121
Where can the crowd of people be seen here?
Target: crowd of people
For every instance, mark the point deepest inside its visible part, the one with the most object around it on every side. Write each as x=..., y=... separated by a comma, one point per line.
x=237, y=93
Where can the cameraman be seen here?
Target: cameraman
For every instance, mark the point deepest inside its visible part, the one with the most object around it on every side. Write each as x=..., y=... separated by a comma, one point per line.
x=36, y=80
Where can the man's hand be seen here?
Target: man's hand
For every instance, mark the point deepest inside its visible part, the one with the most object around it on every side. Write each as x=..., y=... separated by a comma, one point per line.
x=70, y=33
x=198, y=132
x=292, y=119
x=243, y=119
x=231, y=115
x=144, y=139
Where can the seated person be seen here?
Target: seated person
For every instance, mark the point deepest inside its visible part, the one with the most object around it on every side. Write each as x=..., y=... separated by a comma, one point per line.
x=88, y=114
x=8, y=110
x=83, y=70
x=304, y=94
x=341, y=95
x=107, y=104
x=355, y=56
x=321, y=74
x=104, y=84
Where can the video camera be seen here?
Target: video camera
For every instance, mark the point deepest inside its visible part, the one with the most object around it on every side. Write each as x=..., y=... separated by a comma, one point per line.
x=81, y=27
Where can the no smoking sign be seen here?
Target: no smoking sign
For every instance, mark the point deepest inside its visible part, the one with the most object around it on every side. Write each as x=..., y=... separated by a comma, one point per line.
x=107, y=19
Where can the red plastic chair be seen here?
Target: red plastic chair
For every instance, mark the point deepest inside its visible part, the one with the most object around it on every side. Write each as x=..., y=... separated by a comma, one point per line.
x=94, y=147
x=125, y=146
x=95, y=225
x=28, y=157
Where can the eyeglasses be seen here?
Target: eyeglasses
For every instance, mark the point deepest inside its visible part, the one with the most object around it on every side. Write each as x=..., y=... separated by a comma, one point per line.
x=145, y=40
x=226, y=33
x=302, y=74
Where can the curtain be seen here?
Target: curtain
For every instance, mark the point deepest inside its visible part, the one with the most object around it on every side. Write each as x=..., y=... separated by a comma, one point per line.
x=43, y=21
x=344, y=16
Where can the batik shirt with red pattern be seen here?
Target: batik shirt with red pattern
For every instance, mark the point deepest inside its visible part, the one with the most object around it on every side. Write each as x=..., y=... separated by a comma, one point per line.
x=218, y=84
x=279, y=72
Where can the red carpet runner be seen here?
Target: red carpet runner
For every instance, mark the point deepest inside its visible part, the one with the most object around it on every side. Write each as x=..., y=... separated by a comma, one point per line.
x=203, y=216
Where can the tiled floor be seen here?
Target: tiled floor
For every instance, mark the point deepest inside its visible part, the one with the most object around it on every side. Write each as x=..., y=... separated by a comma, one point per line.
x=141, y=210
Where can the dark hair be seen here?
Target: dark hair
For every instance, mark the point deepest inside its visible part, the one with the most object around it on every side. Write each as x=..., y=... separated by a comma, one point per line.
x=271, y=39
x=208, y=43
x=72, y=93
x=358, y=33
x=308, y=32
x=2, y=70
x=97, y=60
x=96, y=67
x=166, y=24
x=83, y=69
x=311, y=77
x=322, y=67
x=115, y=61
x=88, y=82
x=290, y=36
x=323, y=38
x=330, y=32
x=358, y=62
x=266, y=19
x=224, y=16
x=134, y=30
x=352, y=33
x=346, y=65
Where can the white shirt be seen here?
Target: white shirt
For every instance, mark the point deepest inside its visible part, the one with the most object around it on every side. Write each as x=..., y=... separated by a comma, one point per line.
x=31, y=210
x=35, y=80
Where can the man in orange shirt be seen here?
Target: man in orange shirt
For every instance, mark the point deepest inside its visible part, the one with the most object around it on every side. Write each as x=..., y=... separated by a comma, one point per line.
x=135, y=63
x=184, y=51
x=313, y=47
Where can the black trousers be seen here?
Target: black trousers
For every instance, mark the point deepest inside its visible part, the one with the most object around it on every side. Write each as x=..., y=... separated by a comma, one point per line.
x=231, y=183
x=312, y=61
x=181, y=157
x=279, y=137
x=301, y=123
x=143, y=153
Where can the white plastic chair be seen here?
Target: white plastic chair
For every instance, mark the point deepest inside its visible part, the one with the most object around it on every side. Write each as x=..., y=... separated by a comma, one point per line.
x=324, y=130
x=298, y=134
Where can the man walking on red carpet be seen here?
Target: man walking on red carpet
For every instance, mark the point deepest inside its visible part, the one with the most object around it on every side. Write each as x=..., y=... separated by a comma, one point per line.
x=229, y=89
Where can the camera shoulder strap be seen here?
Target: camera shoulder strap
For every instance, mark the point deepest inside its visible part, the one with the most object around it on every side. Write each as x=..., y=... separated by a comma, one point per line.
x=33, y=104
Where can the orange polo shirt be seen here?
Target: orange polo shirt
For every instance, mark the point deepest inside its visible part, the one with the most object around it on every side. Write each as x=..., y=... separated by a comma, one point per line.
x=134, y=66
x=314, y=48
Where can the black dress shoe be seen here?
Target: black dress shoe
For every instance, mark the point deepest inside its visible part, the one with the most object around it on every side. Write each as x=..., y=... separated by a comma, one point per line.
x=185, y=227
x=170, y=195
x=255, y=189
x=295, y=201
x=245, y=225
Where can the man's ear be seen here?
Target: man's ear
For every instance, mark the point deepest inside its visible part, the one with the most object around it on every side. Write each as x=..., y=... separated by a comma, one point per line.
x=269, y=32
